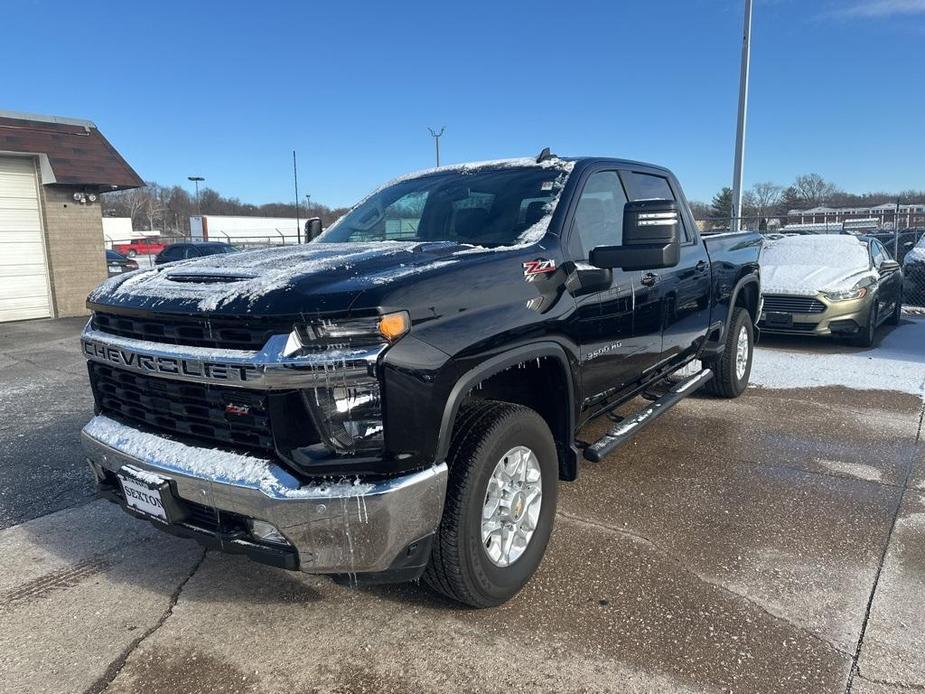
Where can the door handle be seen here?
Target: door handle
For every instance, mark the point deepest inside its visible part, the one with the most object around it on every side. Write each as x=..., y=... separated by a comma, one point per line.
x=701, y=266
x=649, y=279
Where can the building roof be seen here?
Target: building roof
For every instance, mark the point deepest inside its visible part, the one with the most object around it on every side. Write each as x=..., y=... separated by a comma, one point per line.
x=73, y=152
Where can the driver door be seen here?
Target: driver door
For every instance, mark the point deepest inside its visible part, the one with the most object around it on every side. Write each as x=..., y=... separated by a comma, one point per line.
x=613, y=354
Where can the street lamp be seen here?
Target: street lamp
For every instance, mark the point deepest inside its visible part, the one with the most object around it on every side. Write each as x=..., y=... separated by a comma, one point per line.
x=308, y=203
x=736, y=221
x=437, y=135
x=196, y=180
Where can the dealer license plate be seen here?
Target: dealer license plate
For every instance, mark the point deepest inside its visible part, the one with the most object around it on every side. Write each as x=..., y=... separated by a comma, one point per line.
x=778, y=320
x=143, y=492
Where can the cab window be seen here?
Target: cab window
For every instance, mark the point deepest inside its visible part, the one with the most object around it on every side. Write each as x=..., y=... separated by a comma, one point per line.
x=599, y=215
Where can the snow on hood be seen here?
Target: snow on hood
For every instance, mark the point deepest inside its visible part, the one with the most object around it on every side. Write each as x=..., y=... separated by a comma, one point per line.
x=249, y=275
x=807, y=265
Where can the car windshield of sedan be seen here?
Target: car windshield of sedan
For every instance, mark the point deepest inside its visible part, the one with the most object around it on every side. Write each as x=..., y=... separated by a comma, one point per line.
x=488, y=206
x=822, y=250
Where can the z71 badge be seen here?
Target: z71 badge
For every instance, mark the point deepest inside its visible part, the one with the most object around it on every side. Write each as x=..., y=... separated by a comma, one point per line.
x=538, y=268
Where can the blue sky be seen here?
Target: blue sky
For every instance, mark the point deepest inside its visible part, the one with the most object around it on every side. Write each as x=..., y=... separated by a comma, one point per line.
x=227, y=90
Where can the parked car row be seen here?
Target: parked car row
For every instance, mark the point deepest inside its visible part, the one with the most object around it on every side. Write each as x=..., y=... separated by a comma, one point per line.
x=117, y=263
x=829, y=285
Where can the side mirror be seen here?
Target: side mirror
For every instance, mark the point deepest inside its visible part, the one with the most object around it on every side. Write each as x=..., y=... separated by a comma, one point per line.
x=889, y=266
x=312, y=229
x=651, y=238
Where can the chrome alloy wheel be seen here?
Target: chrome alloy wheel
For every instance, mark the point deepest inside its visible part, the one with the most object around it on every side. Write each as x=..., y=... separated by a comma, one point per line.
x=741, y=352
x=512, y=506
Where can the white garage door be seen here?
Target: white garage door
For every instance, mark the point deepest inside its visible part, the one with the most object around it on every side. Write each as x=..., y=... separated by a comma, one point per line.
x=23, y=272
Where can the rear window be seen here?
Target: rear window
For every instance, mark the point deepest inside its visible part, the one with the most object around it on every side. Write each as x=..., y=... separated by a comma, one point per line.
x=640, y=186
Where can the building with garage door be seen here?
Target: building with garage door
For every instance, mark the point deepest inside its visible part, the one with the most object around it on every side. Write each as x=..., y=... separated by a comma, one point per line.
x=52, y=171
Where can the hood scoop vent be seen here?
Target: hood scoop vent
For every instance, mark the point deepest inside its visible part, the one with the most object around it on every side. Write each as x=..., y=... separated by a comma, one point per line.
x=207, y=277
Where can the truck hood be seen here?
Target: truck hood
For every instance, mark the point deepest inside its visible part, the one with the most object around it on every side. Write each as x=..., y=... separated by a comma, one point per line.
x=315, y=278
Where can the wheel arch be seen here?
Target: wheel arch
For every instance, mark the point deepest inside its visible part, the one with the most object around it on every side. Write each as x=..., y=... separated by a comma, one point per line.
x=490, y=378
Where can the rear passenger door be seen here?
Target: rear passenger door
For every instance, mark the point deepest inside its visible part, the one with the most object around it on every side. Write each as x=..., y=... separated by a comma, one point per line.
x=677, y=299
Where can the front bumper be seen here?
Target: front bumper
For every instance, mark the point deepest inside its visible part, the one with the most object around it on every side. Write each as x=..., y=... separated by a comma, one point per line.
x=340, y=527
x=840, y=318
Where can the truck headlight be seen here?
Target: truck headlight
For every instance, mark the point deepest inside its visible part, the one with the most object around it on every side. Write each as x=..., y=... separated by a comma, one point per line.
x=846, y=294
x=346, y=403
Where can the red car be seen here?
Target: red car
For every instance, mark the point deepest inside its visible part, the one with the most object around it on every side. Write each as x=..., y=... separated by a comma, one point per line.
x=143, y=246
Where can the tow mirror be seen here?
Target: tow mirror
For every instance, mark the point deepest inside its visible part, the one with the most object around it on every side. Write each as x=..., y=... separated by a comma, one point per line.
x=651, y=238
x=312, y=229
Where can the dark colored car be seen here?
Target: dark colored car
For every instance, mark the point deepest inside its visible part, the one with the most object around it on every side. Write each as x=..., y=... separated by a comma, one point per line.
x=117, y=263
x=185, y=251
x=907, y=240
x=914, y=273
x=399, y=398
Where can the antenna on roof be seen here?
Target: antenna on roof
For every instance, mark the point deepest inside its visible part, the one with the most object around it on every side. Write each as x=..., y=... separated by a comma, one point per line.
x=545, y=155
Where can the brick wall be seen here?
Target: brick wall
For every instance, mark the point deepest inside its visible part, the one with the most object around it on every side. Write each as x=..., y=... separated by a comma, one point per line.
x=74, y=238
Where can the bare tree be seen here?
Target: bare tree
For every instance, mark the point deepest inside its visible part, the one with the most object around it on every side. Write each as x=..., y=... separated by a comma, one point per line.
x=813, y=189
x=764, y=198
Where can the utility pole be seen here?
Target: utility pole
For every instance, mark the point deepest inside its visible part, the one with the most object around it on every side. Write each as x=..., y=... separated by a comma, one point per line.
x=295, y=181
x=196, y=180
x=896, y=232
x=735, y=222
x=436, y=135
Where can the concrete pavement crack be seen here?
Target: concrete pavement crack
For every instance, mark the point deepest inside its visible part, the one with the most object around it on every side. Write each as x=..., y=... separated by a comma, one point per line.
x=855, y=666
x=107, y=678
x=911, y=686
x=677, y=562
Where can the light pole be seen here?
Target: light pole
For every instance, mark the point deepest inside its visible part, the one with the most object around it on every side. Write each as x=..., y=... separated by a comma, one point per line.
x=308, y=204
x=735, y=222
x=196, y=180
x=436, y=135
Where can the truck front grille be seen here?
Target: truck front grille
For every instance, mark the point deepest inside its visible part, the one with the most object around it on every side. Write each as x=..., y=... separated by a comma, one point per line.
x=781, y=303
x=216, y=333
x=229, y=416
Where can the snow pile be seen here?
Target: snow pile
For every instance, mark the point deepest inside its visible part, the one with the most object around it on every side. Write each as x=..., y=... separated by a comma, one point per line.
x=807, y=265
x=223, y=467
x=897, y=363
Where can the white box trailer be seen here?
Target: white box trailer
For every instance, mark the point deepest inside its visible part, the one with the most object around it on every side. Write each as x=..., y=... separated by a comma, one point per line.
x=245, y=231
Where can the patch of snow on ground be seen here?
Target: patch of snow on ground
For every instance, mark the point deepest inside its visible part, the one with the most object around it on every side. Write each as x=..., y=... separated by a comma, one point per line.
x=896, y=363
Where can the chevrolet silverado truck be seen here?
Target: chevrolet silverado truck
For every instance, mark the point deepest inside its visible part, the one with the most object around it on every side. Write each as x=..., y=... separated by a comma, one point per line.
x=399, y=398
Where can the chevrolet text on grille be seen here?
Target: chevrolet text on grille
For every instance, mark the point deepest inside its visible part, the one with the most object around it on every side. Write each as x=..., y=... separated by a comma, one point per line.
x=168, y=365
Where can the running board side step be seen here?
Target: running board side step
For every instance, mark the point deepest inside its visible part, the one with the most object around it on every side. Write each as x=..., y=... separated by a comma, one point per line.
x=631, y=426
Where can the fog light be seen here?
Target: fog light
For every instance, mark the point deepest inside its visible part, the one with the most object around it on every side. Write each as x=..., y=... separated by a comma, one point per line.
x=266, y=532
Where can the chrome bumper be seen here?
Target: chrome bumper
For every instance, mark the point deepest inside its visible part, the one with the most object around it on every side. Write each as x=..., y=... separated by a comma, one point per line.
x=343, y=527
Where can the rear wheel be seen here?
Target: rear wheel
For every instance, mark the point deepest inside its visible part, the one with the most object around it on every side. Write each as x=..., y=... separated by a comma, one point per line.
x=500, y=504
x=732, y=368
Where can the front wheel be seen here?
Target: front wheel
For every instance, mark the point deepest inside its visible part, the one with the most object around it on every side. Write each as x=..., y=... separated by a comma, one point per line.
x=896, y=315
x=500, y=504
x=867, y=334
x=732, y=368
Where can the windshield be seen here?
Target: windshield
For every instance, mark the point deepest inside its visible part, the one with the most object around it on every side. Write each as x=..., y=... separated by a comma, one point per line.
x=824, y=250
x=491, y=206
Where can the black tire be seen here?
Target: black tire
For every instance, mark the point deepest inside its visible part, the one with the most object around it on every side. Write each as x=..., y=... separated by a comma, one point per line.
x=897, y=314
x=726, y=382
x=459, y=565
x=865, y=338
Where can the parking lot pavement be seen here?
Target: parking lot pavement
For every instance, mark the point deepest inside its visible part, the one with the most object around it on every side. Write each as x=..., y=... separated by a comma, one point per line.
x=734, y=546
x=44, y=400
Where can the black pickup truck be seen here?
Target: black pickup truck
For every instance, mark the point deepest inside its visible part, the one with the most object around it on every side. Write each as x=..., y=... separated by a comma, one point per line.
x=399, y=398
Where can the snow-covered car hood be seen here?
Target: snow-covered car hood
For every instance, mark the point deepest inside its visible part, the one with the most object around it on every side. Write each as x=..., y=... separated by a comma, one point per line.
x=807, y=265
x=317, y=277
